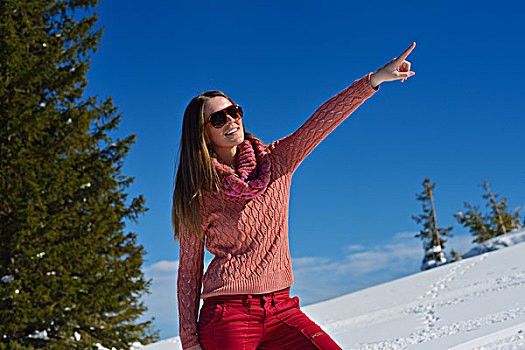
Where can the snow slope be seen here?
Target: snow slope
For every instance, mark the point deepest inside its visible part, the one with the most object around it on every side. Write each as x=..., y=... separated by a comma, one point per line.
x=475, y=303
x=496, y=243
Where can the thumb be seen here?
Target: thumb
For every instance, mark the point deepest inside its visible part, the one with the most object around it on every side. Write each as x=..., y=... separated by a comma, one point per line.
x=405, y=76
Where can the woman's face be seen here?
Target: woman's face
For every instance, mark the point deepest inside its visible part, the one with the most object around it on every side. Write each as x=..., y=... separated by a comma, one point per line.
x=218, y=137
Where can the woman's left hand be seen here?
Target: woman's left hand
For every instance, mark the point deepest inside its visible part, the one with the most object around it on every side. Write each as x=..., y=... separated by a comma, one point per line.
x=397, y=69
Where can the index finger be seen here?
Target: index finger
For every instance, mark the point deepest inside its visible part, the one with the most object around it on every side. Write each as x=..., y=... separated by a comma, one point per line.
x=407, y=52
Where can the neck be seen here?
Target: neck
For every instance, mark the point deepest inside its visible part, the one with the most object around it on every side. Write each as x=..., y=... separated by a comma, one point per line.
x=227, y=156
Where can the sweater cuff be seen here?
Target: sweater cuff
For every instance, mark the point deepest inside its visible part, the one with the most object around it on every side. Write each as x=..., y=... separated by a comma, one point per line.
x=189, y=341
x=368, y=80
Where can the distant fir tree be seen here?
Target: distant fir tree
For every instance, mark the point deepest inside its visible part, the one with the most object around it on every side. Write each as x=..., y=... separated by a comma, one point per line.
x=501, y=218
x=431, y=234
x=499, y=221
x=70, y=277
x=455, y=256
x=475, y=221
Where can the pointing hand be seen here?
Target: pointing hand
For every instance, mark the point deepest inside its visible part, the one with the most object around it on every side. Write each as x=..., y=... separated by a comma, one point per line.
x=397, y=69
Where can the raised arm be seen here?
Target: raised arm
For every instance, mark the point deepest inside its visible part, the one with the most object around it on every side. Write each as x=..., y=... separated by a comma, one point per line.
x=189, y=281
x=293, y=149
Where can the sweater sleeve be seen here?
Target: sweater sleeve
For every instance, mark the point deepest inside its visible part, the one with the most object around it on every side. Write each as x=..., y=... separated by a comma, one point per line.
x=189, y=282
x=294, y=148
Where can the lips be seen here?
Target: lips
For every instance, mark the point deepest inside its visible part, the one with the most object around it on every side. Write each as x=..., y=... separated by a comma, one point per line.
x=235, y=130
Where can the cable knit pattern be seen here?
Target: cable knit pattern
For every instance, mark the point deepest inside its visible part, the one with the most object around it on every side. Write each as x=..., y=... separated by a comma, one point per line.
x=249, y=238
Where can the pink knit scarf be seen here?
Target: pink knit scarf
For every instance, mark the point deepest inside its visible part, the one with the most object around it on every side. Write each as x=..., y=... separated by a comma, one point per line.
x=253, y=171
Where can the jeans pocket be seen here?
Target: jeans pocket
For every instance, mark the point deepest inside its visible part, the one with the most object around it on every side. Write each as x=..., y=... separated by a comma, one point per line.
x=319, y=338
x=210, y=315
x=296, y=301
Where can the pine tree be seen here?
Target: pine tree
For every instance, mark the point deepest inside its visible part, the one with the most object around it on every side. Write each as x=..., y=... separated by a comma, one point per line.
x=475, y=221
x=455, y=256
x=70, y=276
x=500, y=220
x=431, y=234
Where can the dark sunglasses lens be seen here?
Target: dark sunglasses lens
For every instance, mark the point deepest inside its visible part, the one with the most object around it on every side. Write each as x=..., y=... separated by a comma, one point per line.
x=218, y=119
x=235, y=111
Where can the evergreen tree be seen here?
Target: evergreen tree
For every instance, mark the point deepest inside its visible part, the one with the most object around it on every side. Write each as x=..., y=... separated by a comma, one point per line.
x=474, y=220
x=455, y=256
x=431, y=234
x=500, y=220
x=70, y=276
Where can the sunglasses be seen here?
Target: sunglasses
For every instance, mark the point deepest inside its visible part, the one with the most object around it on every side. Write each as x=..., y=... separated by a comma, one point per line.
x=219, y=118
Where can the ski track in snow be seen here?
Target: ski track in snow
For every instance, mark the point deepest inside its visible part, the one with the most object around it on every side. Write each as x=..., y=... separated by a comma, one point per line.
x=431, y=332
x=434, y=298
x=510, y=338
x=514, y=342
x=423, y=307
x=429, y=308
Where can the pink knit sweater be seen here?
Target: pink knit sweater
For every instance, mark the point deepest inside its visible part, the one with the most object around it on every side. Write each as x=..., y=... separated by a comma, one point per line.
x=249, y=239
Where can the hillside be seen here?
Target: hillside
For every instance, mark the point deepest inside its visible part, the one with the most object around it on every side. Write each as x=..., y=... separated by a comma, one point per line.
x=477, y=302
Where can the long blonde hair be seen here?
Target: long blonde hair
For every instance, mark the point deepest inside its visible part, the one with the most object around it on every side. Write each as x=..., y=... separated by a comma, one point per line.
x=196, y=172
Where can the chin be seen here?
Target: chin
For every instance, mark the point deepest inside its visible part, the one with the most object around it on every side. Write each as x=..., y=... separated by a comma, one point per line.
x=240, y=139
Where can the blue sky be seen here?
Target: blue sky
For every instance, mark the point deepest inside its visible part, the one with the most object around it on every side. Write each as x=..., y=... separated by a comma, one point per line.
x=458, y=120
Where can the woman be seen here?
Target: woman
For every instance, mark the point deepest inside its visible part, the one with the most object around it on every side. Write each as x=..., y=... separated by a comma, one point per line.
x=231, y=194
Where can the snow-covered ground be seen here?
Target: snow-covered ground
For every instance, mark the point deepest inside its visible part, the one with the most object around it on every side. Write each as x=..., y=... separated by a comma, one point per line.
x=475, y=303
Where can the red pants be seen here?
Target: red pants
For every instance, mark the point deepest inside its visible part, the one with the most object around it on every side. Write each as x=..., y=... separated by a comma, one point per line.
x=249, y=322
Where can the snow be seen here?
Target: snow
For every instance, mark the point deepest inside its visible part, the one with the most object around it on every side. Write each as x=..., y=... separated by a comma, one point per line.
x=474, y=303
x=497, y=243
x=434, y=249
x=168, y=344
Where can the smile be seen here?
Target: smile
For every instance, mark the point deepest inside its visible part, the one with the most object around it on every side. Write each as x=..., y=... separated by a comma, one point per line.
x=231, y=132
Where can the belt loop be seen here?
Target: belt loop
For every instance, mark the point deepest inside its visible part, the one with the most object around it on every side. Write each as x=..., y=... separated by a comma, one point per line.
x=248, y=300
